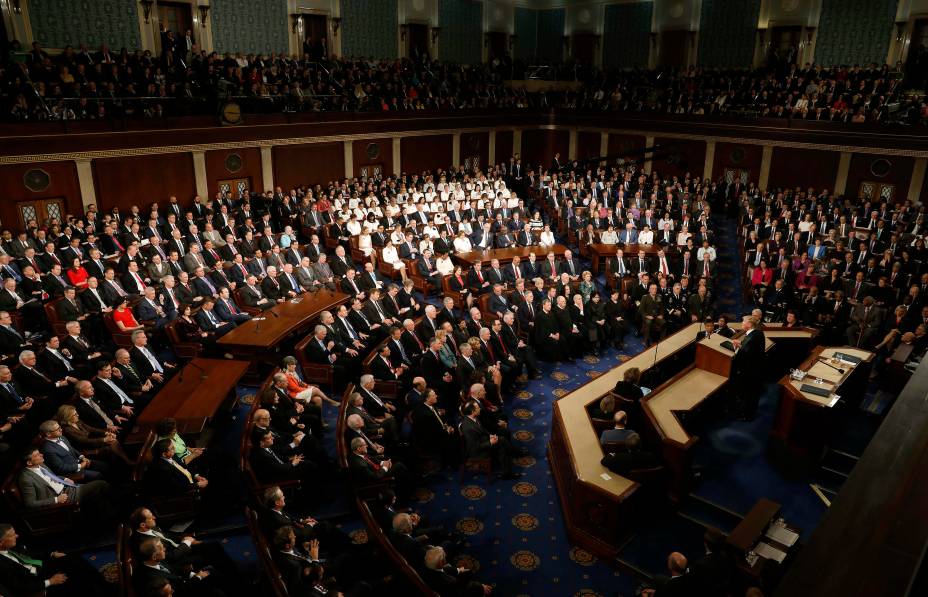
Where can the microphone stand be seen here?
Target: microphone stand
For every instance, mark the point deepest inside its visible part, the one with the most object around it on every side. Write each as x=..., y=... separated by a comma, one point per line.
x=823, y=361
x=202, y=371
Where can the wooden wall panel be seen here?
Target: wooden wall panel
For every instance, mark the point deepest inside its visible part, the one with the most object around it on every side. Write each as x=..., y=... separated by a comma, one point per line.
x=503, y=146
x=298, y=165
x=540, y=145
x=588, y=145
x=142, y=180
x=676, y=157
x=365, y=154
x=62, y=183
x=865, y=167
x=431, y=152
x=738, y=156
x=626, y=146
x=250, y=168
x=805, y=168
x=476, y=145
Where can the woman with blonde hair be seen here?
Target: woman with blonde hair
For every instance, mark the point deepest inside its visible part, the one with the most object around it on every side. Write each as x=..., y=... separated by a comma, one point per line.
x=85, y=437
x=300, y=390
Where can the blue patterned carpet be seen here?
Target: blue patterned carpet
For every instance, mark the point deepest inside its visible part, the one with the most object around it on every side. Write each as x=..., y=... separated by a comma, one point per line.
x=514, y=529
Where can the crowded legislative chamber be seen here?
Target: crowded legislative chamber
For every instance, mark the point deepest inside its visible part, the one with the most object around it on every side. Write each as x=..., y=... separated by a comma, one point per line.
x=464, y=298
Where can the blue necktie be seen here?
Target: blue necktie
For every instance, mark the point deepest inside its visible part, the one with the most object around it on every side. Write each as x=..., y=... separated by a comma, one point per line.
x=58, y=479
x=12, y=390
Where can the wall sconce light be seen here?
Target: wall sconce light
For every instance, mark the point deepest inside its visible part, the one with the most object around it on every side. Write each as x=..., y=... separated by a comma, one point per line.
x=17, y=6
x=900, y=31
x=403, y=30
x=435, y=32
x=204, y=14
x=297, y=22
x=146, y=9
x=596, y=41
x=512, y=41
x=336, y=23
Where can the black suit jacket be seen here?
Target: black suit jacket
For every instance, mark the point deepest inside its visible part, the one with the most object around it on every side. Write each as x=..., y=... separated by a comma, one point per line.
x=162, y=478
x=476, y=439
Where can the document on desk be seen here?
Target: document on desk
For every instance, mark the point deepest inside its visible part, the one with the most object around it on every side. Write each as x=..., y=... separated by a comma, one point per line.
x=782, y=535
x=771, y=553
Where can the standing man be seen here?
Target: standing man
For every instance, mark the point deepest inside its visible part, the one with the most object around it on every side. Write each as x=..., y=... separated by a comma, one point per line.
x=747, y=366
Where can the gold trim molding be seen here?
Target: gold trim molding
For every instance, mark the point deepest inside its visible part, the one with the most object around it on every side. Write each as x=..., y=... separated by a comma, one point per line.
x=167, y=149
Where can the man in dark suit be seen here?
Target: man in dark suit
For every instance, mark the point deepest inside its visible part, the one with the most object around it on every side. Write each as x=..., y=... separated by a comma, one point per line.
x=481, y=444
x=152, y=569
x=226, y=309
x=431, y=432
x=26, y=573
x=69, y=308
x=498, y=302
x=11, y=340
x=146, y=362
x=208, y=321
x=747, y=365
x=63, y=459
x=351, y=285
x=679, y=582
x=167, y=475
x=254, y=297
x=426, y=265
x=570, y=266
x=365, y=470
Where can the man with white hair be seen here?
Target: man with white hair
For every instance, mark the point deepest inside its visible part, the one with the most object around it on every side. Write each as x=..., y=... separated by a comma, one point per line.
x=446, y=579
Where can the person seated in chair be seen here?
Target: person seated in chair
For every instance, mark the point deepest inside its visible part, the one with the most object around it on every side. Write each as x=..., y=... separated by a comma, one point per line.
x=618, y=435
x=622, y=459
x=481, y=444
x=184, y=551
x=167, y=475
x=449, y=580
x=26, y=573
x=63, y=459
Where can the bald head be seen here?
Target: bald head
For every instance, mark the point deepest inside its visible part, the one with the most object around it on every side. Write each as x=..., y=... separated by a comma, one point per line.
x=676, y=563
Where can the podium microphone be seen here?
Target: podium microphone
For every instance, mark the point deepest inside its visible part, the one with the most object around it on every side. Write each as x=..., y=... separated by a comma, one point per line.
x=823, y=361
x=203, y=375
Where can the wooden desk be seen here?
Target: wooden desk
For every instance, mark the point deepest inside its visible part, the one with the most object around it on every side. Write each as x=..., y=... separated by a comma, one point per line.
x=258, y=335
x=597, y=503
x=750, y=531
x=598, y=252
x=505, y=255
x=802, y=426
x=193, y=397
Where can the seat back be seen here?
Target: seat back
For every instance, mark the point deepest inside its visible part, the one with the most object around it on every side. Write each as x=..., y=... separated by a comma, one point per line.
x=341, y=446
x=315, y=373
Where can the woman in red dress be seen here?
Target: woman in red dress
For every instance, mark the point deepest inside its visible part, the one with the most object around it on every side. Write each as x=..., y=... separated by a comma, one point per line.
x=124, y=318
x=77, y=275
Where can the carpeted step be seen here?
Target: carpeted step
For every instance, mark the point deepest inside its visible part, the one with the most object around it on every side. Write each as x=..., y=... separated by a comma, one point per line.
x=709, y=514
